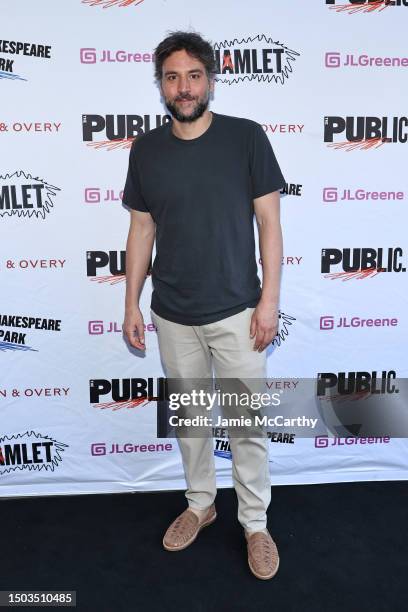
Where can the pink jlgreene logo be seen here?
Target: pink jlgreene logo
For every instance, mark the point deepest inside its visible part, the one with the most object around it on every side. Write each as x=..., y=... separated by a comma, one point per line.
x=89, y=55
x=95, y=195
x=321, y=441
x=99, y=327
x=95, y=328
x=332, y=59
x=92, y=195
x=327, y=322
x=101, y=448
x=331, y=194
x=98, y=448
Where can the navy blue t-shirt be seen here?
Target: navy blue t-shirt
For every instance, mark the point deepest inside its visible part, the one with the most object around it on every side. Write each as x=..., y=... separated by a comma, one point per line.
x=200, y=194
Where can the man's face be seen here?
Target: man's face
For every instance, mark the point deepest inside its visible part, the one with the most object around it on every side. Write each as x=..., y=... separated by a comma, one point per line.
x=185, y=86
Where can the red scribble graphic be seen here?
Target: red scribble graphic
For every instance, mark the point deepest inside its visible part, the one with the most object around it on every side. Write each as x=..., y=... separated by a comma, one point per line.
x=360, y=8
x=134, y=403
x=112, y=279
x=120, y=143
x=108, y=3
x=367, y=143
x=359, y=274
x=345, y=397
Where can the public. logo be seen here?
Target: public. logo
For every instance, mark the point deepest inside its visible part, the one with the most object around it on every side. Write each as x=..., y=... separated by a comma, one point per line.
x=125, y=392
x=364, y=132
x=363, y=6
x=118, y=131
x=110, y=3
x=364, y=403
x=360, y=263
x=112, y=261
x=357, y=384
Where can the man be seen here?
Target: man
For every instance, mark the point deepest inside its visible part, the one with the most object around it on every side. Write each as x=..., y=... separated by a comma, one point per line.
x=194, y=184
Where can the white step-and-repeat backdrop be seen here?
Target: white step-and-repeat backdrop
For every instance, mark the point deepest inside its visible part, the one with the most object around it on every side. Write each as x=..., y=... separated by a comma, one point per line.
x=327, y=80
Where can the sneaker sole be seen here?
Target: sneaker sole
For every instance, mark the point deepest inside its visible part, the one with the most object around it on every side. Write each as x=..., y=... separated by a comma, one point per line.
x=191, y=540
x=259, y=575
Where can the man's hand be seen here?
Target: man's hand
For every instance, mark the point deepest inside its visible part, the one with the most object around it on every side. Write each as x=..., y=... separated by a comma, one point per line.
x=264, y=324
x=133, y=327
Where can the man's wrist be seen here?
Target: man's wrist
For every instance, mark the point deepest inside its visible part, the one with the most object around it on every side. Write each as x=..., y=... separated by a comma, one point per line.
x=132, y=307
x=270, y=302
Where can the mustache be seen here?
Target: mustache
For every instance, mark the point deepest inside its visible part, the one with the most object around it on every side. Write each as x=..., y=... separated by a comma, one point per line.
x=187, y=97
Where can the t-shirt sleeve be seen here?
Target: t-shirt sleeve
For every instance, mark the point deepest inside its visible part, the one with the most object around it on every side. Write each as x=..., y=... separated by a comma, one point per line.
x=266, y=175
x=132, y=193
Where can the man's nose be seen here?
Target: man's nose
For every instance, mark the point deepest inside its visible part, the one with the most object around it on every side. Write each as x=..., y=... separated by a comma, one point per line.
x=184, y=84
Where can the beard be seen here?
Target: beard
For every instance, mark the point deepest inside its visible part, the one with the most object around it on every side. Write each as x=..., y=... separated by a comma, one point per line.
x=197, y=112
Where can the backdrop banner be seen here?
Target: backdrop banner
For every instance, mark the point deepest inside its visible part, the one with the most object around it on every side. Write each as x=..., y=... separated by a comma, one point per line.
x=81, y=411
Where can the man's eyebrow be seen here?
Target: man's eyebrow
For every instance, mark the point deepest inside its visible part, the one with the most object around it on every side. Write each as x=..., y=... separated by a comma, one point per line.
x=175, y=71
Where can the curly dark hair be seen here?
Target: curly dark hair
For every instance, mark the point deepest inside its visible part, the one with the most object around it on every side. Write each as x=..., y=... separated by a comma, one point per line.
x=192, y=43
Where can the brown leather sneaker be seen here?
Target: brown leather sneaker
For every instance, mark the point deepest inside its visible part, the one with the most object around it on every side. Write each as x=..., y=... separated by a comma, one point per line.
x=263, y=557
x=185, y=528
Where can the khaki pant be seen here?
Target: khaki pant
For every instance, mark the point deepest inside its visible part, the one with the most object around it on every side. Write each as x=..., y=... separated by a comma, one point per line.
x=191, y=351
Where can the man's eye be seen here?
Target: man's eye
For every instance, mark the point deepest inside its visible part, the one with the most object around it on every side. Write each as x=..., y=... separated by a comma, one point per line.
x=195, y=76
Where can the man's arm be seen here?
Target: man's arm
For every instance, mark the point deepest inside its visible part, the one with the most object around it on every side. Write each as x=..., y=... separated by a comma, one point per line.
x=264, y=323
x=139, y=248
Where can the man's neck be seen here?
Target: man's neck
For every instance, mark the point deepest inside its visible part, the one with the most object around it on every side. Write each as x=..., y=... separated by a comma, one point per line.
x=188, y=131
